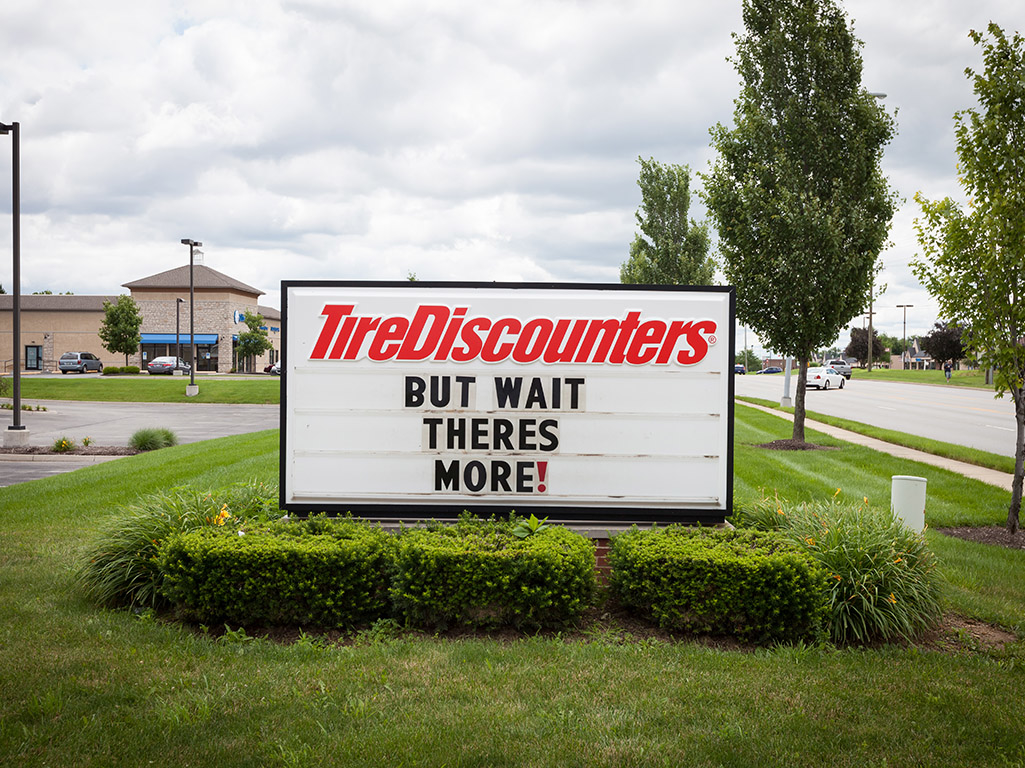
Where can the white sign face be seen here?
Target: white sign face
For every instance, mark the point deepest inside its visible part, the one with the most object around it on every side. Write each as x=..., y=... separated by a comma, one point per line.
x=583, y=403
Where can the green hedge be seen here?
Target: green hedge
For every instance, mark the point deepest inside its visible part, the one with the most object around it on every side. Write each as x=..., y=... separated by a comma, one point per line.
x=755, y=586
x=477, y=573
x=322, y=574
x=112, y=370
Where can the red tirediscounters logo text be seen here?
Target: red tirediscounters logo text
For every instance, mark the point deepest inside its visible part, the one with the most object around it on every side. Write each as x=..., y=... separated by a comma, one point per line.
x=441, y=333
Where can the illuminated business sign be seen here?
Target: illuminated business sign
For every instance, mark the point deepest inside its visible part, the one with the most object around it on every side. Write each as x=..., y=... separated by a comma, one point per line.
x=603, y=404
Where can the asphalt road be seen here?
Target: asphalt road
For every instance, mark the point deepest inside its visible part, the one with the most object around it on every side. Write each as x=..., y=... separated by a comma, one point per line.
x=115, y=423
x=971, y=417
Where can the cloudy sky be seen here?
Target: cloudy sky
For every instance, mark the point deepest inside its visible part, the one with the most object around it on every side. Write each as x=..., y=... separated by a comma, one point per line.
x=324, y=139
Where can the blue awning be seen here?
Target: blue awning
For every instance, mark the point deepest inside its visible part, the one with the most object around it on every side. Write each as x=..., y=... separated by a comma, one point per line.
x=170, y=338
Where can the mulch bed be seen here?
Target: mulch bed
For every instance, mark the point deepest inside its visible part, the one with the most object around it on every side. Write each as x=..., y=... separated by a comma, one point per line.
x=953, y=634
x=996, y=535
x=92, y=450
x=795, y=445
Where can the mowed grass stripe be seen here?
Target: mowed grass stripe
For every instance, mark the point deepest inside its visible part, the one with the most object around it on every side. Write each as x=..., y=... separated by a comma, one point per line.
x=88, y=687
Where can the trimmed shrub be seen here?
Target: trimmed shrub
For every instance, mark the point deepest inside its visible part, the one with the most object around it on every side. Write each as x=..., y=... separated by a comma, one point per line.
x=111, y=370
x=755, y=586
x=120, y=565
x=328, y=574
x=152, y=438
x=882, y=576
x=131, y=370
x=478, y=573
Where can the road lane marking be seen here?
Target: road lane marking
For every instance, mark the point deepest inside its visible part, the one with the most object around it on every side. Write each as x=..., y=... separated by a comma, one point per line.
x=1006, y=429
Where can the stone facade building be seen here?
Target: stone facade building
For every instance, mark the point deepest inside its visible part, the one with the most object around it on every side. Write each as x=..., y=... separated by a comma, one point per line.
x=54, y=324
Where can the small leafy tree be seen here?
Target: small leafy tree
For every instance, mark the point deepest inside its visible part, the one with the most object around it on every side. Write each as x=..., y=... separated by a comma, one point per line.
x=797, y=193
x=253, y=342
x=945, y=342
x=974, y=260
x=748, y=359
x=670, y=248
x=119, y=330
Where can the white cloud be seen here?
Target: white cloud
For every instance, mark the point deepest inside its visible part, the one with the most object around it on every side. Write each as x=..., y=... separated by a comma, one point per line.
x=485, y=141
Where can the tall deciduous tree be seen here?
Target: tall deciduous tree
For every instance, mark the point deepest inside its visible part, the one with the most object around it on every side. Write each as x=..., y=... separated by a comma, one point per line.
x=119, y=330
x=797, y=195
x=858, y=346
x=253, y=342
x=974, y=259
x=670, y=248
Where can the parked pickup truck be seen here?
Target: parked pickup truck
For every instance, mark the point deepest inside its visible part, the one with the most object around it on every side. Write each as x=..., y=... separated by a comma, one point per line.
x=840, y=366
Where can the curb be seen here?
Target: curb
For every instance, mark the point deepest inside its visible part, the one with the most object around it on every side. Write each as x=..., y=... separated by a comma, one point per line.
x=59, y=458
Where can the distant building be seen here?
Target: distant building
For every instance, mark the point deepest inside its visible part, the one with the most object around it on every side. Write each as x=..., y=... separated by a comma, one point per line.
x=916, y=358
x=54, y=324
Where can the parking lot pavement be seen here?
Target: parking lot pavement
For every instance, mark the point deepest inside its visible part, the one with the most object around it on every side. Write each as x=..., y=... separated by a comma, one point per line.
x=113, y=424
x=15, y=470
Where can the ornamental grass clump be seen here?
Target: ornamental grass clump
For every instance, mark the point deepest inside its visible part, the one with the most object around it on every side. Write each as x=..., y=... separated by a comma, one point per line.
x=120, y=567
x=882, y=582
x=152, y=438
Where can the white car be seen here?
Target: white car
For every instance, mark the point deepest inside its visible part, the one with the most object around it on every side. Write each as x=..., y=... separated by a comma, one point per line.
x=825, y=378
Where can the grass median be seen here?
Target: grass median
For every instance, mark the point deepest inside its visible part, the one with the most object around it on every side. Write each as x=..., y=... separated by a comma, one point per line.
x=152, y=389
x=975, y=378
x=928, y=445
x=88, y=687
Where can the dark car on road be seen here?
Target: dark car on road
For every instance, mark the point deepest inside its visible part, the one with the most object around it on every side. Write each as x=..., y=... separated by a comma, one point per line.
x=81, y=362
x=770, y=369
x=167, y=365
x=738, y=368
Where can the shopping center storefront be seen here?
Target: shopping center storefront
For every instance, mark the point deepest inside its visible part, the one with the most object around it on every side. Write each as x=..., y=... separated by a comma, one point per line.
x=54, y=324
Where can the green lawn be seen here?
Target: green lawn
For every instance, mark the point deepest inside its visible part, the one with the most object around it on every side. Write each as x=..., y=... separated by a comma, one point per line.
x=957, y=379
x=150, y=389
x=935, y=447
x=87, y=687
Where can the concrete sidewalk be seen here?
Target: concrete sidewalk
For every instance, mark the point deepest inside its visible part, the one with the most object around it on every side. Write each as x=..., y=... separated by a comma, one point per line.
x=991, y=476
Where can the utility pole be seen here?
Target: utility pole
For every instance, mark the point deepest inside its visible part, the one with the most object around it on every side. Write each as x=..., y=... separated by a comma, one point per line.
x=904, y=352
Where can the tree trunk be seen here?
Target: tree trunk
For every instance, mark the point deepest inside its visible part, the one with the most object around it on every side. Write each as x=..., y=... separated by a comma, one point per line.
x=1019, y=460
x=802, y=388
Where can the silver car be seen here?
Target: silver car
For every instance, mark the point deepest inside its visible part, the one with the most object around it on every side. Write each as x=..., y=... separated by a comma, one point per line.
x=840, y=366
x=81, y=362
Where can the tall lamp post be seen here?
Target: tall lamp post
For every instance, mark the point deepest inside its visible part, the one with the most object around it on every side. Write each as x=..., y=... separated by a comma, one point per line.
x=177, y=332
x=904, y=354
x=16, y=434
x=192, y=389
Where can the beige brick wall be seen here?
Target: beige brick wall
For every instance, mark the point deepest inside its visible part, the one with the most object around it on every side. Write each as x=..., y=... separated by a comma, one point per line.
x=63, y=331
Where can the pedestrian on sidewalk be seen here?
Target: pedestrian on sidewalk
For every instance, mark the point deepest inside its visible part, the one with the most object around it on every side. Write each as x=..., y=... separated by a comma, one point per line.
x=946, y=370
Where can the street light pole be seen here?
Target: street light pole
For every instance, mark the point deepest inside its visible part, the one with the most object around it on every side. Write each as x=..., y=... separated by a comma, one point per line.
x=177, y=331
x=904, y=354
x=193, y=245
x=17, y=434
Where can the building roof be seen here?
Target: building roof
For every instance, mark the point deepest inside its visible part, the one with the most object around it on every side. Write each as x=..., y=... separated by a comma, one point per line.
x=55, y=303
x=269, y=313
x=203, y=276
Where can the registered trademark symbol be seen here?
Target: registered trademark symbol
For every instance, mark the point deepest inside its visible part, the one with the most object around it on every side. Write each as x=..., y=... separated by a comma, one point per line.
x=711, y=339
